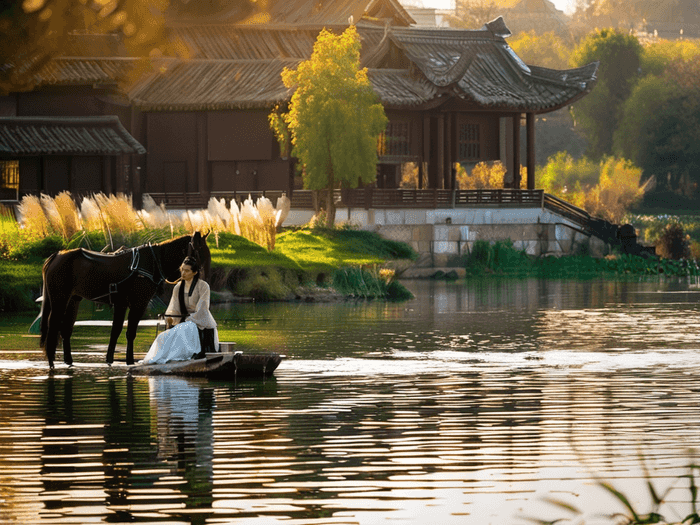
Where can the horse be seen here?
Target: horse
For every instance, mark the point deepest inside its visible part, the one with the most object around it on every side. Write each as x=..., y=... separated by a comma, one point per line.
x=127, y=278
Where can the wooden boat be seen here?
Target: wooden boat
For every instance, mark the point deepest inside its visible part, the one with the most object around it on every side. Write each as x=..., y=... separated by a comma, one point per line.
x=220, y=365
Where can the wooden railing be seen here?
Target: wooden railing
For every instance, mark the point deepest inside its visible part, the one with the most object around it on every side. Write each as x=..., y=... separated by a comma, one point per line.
x=402, y=198
x=373, y=198
x=601, y=228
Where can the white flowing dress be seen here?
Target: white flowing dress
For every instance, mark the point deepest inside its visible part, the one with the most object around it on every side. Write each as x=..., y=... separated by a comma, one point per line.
x=181, y=342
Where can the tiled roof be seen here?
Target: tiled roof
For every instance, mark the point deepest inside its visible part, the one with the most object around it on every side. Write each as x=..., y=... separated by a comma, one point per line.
x=397, y=87
x=480, y=67
x=246, y=42
x=213, y=84
x=66, y=136
x=89, y=70
x=239, y=66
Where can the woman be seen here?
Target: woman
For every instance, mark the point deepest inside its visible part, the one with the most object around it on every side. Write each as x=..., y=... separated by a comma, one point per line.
x=194, y=332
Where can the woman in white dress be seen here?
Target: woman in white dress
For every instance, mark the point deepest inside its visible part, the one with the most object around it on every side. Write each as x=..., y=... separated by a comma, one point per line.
x=194, y=328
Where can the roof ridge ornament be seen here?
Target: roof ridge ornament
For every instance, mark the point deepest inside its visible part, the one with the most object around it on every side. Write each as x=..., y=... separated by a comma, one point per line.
x=498, y=27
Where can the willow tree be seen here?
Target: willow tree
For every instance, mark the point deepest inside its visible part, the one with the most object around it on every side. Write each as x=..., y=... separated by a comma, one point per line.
x=334, y=117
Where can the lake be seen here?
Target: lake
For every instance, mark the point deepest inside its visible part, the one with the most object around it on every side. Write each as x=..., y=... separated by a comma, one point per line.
x=473, y=403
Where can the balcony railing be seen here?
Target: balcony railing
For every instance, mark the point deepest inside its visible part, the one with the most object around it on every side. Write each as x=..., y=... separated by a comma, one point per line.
x=375, y=198
x=370, y=198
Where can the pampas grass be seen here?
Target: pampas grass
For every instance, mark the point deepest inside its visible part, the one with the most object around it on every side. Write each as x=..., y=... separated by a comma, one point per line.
x=33, y=218
x=119, y=223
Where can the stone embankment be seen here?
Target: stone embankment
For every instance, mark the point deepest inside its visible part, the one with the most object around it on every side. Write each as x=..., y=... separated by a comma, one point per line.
x=443, y=236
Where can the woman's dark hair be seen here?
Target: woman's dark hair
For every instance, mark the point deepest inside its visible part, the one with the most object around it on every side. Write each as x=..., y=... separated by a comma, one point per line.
x=192, y=263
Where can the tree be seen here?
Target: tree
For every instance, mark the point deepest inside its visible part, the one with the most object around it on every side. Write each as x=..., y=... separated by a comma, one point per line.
x=660, y=128
x=598, y=113
x=545, y=50
x=334, y=117
x=606, y=189
x=32, y=32
x=472, y=14
x=627, y=14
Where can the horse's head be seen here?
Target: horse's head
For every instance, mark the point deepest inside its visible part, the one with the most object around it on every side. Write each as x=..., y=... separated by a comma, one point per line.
x=198, y=248
x=173, y=252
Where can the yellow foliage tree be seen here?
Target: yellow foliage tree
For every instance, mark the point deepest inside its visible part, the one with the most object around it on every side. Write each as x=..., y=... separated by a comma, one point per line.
x=485, y=175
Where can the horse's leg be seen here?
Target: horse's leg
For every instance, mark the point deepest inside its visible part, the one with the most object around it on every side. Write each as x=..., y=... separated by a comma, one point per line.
x=67, y=324
x=55, y=321
x=117, y=326
x=136, y=312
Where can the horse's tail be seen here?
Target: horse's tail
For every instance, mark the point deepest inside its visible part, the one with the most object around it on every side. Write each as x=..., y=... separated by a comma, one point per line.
x=45, y=303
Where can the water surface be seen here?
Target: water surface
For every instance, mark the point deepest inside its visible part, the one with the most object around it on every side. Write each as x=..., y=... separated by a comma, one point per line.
x=469, y=404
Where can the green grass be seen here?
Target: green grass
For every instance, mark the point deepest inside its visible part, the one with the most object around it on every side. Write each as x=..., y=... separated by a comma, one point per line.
x=236, y=251
x=325, y=250
x=301, y=254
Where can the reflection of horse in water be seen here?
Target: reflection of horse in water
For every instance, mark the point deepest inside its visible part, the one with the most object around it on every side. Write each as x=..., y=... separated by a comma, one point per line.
x=125, y=279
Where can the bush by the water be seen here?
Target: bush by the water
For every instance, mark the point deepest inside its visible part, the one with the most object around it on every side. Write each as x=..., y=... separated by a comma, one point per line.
x=673, y=242
x=501, y=258
x=359, y=282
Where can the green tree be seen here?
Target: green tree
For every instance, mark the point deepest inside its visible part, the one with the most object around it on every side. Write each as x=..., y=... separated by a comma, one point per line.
x=546, y=50
x=657, y=56
x=660, y=127
x=598, y=113
x=334, y=117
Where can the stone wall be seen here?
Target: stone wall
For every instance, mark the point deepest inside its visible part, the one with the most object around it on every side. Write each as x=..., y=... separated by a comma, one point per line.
x=443, y=236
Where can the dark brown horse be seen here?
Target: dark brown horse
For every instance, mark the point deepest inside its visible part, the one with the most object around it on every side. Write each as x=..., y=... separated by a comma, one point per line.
x=125, y=279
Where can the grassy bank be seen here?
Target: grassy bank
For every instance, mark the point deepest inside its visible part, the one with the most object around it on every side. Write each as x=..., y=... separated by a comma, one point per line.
x=349, y=262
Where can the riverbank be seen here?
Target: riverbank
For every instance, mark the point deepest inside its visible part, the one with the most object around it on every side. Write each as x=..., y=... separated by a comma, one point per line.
x=306, y=264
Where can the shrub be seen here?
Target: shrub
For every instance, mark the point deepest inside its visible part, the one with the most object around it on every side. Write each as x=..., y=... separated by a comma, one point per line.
x=673, y=243
x=261, y=284
x=499, y=257
x=483, y=176
x=607, y=189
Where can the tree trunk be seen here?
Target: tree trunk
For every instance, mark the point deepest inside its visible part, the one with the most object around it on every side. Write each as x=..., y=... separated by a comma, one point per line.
x=330, y=211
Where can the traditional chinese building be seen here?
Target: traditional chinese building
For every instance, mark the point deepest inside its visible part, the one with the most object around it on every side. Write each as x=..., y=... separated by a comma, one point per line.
x=451, y=96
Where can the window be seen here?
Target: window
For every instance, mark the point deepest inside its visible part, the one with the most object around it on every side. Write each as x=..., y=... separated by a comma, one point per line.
x=469, y=141
x=396, y=140
x=9, y=174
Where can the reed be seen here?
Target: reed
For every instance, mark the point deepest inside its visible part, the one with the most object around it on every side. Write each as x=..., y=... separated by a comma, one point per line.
x=632, y=515
x=68, y=213
x=32, y=216
x=120, y=224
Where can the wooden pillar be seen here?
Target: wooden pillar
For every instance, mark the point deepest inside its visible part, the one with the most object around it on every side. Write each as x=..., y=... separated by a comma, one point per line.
x=449, y=157
x=516, y=151
x=137, y=161
x=440, y=179
x=425, y=164
x=531, y=160
x=107, y=175
x=202, y=158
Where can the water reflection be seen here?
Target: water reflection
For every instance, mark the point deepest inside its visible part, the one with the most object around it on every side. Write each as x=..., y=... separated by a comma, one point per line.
x=467, y=405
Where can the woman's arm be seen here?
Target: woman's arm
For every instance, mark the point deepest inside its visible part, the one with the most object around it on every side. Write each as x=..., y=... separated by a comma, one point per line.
x=172, y=312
